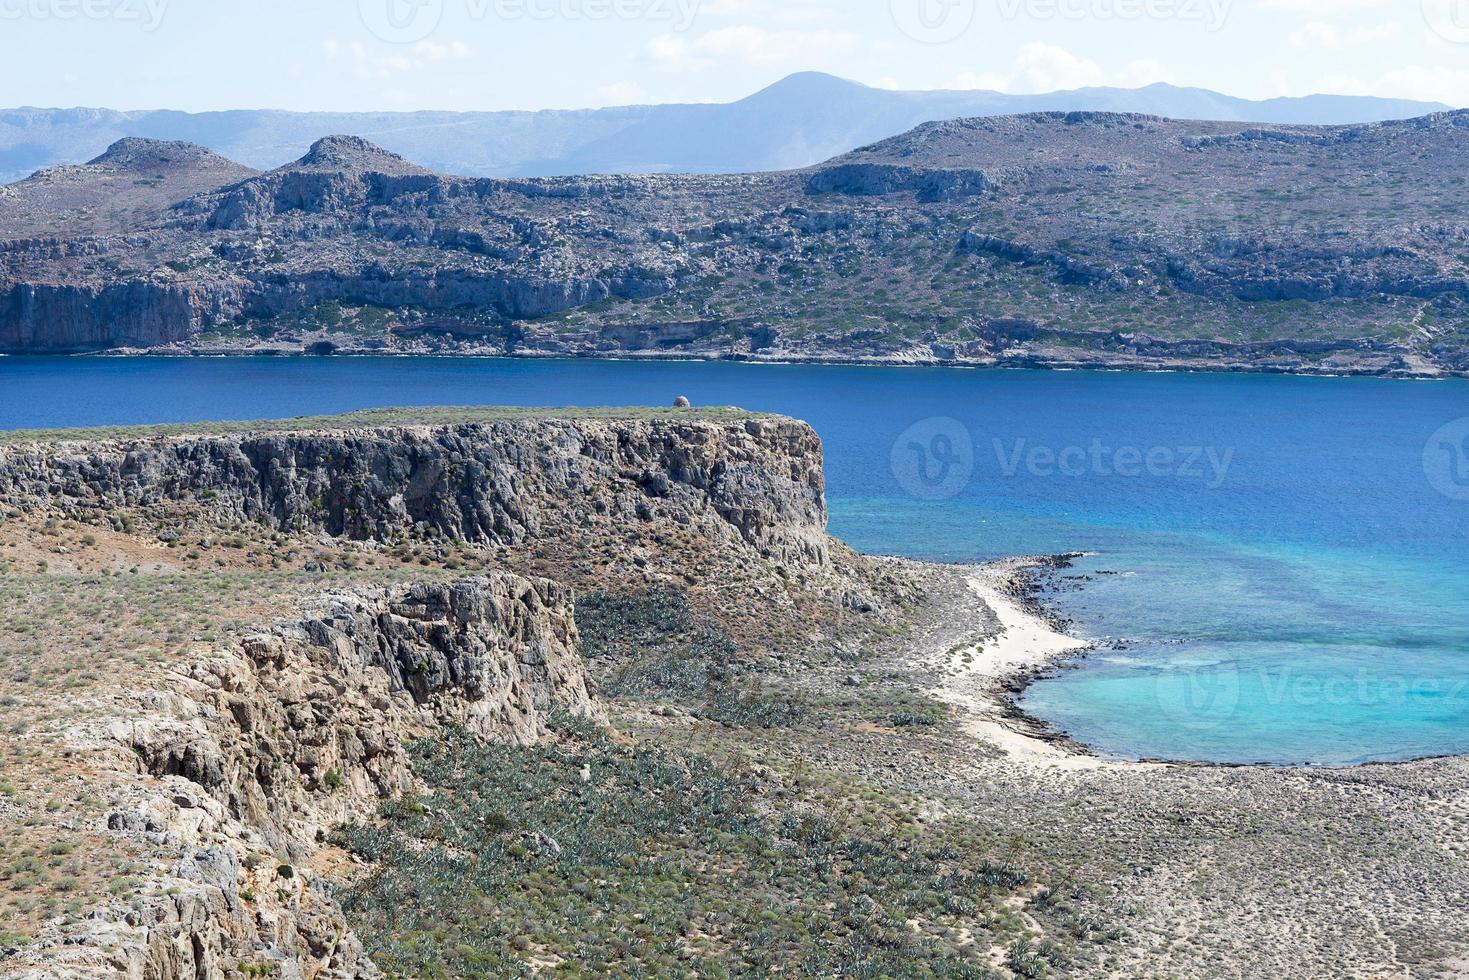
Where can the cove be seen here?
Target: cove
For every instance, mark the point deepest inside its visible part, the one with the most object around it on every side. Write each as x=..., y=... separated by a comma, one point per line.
x=1275, y=566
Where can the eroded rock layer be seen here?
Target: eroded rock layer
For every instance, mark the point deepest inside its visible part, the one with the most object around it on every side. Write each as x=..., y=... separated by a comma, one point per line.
x=756, y=481
x=260, y=748
x=222, y=773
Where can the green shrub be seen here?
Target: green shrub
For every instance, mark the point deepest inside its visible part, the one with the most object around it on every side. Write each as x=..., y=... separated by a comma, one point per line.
x=663, y=863
x=652, y=645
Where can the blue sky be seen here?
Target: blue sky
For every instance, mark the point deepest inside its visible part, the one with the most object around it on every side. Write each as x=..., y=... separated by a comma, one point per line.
x=534, y=54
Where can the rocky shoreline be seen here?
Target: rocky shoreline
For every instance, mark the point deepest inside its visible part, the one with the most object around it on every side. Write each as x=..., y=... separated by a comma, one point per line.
x=202, y=756
x=1018, y=241
x=1099, y=363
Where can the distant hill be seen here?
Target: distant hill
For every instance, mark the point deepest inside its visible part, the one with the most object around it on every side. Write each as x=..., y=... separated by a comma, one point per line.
x=1077, y=239
x=797, y=122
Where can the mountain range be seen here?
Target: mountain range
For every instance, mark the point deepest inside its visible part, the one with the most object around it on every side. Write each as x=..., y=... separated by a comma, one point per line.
x=1056, y=239
x=797, y=122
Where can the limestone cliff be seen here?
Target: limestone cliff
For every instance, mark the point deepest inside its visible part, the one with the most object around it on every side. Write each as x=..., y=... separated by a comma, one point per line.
x=756, y=480
x=227, y=772
x=1117, y=240
x=255, y=750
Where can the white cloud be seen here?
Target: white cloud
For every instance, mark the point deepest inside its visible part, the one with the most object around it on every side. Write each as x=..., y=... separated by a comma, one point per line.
x=372, y=63
x=672, y=53
x=1040, y=68
x=1429, y=84
x=1046, y=68
x=748, y=45
x=1319, y=34
x=622, y=93
x=1145, y=72
x=429, y=51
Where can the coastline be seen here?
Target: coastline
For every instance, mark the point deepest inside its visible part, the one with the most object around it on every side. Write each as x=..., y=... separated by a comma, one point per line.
x=1255, y=825
x=1029, y=361
x=1128, y=857
x=987, y=678
x=982, y=677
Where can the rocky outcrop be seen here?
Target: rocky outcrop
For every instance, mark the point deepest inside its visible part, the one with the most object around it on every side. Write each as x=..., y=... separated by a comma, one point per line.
x=292, y=732
x=878, y=180
x=258, y=749
x=752, y=482
x=894, y=253
x=209, y=925
x=68, y=318
x=427, y=289
x=1069, y=269
x=149, y=156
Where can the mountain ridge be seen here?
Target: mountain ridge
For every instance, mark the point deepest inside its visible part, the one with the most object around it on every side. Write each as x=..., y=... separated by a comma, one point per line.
x=798, y=121
x=1062, y=239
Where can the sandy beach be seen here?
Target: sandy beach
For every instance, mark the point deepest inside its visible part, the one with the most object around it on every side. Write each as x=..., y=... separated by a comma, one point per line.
x=1180, y=849
x=974, y=677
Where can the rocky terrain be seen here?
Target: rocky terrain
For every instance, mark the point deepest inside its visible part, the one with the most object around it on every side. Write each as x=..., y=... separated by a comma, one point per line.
x=493, y=693
x=249, y=753
x=212, y=770
x=502, y=481
x=1062, y=239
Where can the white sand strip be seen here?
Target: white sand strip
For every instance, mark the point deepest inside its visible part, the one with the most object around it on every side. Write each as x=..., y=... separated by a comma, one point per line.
x=1025, y=641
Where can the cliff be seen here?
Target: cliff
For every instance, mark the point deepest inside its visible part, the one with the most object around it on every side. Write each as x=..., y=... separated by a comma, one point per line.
x=1110, y=239
x=218, y=774
x=753, y=480
x=255, y=749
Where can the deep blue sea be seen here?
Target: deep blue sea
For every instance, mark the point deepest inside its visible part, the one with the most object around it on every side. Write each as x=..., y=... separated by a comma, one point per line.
x=1277, y=567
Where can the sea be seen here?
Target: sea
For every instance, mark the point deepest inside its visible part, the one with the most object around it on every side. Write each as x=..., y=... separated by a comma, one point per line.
x=1275, y=569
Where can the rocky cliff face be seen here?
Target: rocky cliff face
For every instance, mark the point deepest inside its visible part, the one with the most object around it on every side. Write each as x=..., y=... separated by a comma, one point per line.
x=72, y=318
x=226, y=773
x=1196, y=244
x=256, y=749
x=756, y=481
x=309, y=719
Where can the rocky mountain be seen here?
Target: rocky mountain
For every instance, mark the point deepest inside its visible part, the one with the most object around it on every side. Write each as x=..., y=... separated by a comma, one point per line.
x=223, y=771
x=1078, y=239
x=135, y=181
x=796, y=122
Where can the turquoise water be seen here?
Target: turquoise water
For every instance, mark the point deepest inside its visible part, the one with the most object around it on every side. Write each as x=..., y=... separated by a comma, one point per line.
x=1276, y=565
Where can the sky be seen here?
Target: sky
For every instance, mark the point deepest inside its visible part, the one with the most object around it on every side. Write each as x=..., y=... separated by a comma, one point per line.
x=356, y=55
